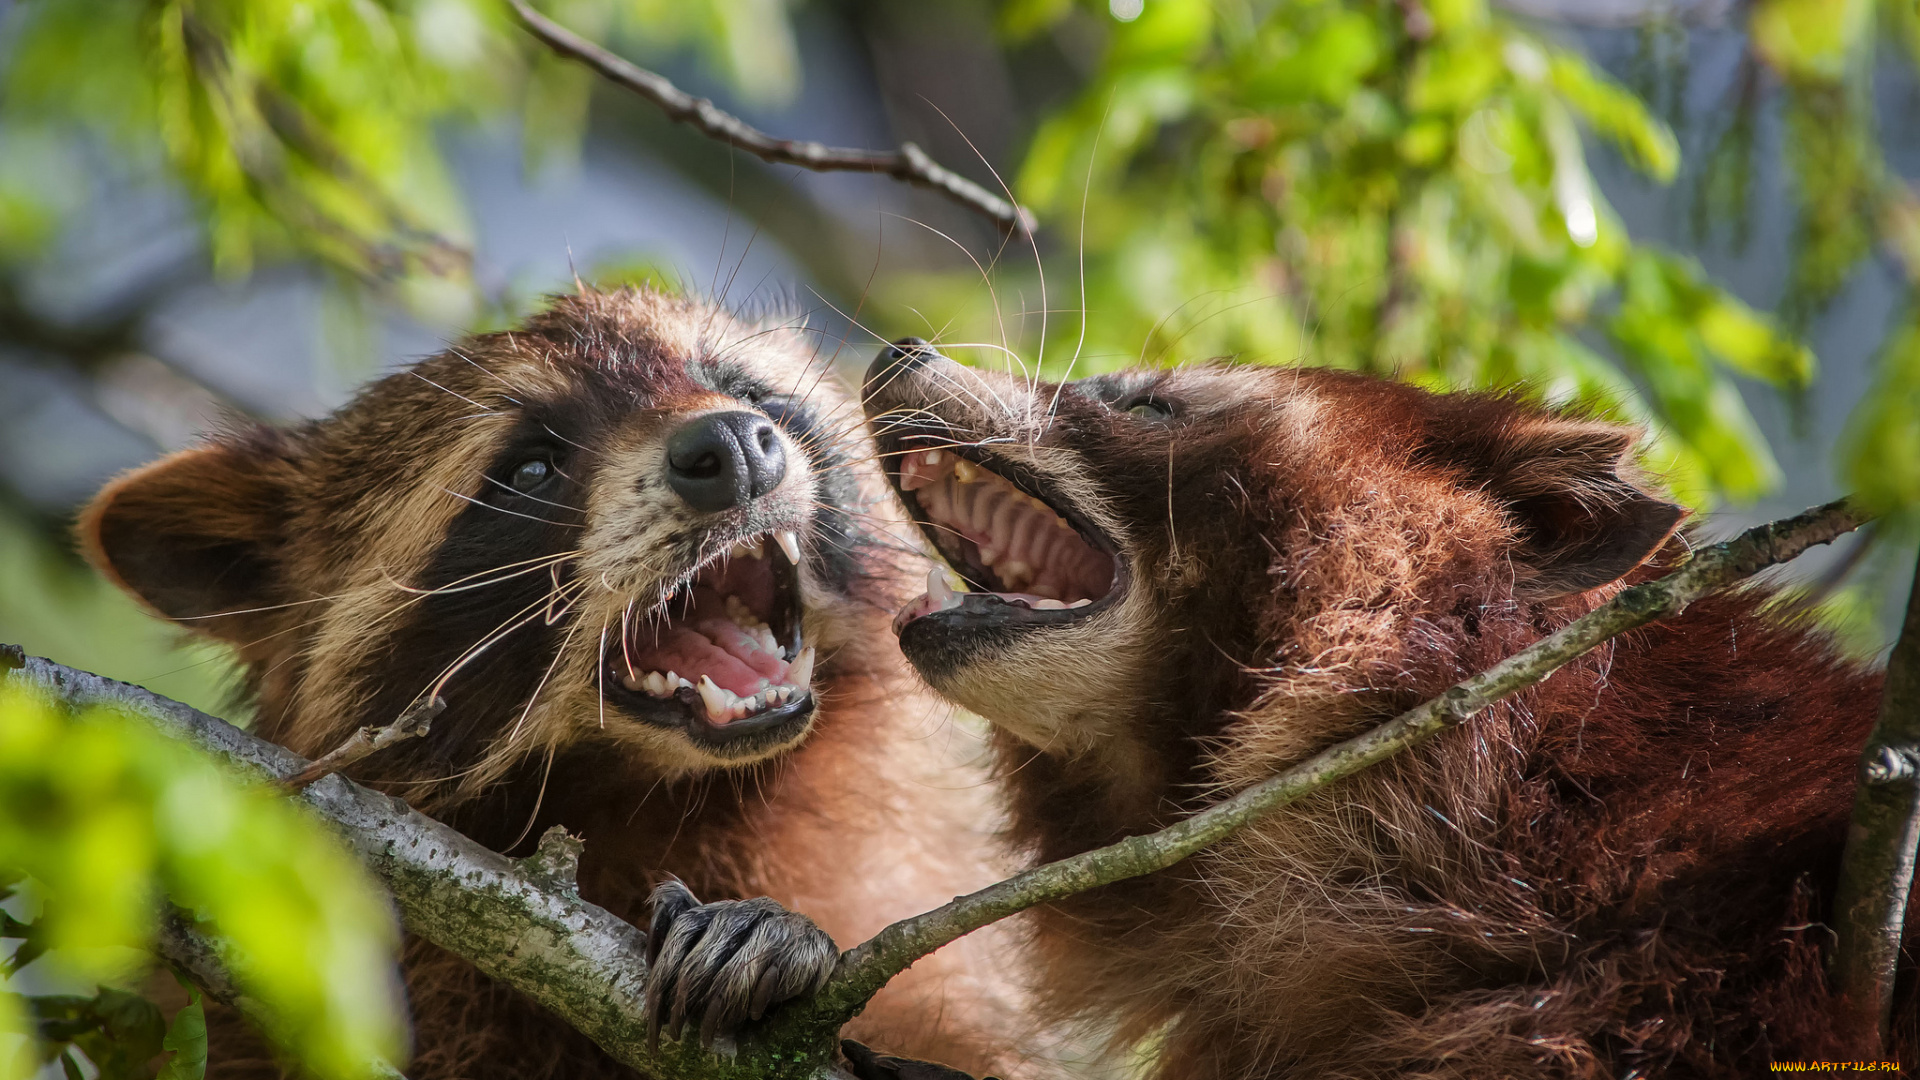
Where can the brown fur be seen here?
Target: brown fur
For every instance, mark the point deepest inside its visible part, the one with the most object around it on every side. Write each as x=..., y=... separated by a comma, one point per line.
x=1621, y=872
x=316, y=552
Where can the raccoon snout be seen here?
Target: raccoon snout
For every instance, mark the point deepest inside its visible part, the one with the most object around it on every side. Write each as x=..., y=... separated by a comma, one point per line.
x=724, y=460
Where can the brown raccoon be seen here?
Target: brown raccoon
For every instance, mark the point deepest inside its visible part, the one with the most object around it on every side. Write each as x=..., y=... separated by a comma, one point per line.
x=639, y=549
x=1185, y=581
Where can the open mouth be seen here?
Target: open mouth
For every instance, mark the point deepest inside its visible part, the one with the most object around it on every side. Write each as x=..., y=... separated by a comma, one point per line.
x=1023, y=560
x=724, y=657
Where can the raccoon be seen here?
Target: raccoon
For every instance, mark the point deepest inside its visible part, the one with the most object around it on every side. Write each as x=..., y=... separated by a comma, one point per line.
x=1174, y=584
x=638, y=548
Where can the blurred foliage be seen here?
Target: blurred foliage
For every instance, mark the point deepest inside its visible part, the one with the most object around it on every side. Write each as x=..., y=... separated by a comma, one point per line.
x=308, y=127
x=53, y=605
x=117, y=1031
x=107, y=818
x=1395, y=187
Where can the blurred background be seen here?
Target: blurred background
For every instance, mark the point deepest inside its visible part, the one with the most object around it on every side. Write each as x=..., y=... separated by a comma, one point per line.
x=1696, y=215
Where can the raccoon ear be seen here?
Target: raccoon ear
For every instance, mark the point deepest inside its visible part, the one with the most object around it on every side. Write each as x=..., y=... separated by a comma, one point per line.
x=1573, y=487
x=197, y=534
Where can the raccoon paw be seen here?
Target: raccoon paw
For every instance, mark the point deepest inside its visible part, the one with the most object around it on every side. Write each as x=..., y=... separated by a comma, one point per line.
x=865, y=1064
x=717, y=966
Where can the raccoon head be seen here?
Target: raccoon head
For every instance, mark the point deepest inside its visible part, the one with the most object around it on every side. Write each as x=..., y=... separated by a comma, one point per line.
x=633, y=520
x=1173, y=545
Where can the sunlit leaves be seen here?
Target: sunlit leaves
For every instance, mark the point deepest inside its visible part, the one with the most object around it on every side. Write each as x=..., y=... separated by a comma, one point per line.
x=1325, y=63
x=1881, y=451
x=1809, y=38
x=303, y=125
x=1616, y=113
x=311, y=127
x=1671, y=326
x=110, y=818
x=1337, y=182
x=748, y=41
x=1838, y=176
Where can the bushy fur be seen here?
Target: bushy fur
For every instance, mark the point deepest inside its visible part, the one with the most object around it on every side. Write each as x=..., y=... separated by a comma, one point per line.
x=1624, y=871
x=353, y=563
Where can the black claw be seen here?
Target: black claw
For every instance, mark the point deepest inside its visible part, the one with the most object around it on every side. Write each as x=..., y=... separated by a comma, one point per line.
x=669, y=901
x=679, y=922
x=713, y=967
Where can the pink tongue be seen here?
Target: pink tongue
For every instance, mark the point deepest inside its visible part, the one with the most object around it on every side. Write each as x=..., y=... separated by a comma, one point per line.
x=706, y=642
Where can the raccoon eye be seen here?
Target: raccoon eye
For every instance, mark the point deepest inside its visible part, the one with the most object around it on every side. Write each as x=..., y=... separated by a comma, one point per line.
x=529, y=475
x=1147, y=408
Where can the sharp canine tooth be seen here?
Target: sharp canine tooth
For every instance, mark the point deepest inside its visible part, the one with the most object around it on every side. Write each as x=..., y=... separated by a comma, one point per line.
x=1083, y=602
x=938, y=591
x=789, y=544
x=965, y=471
x=718, y=699
x=800, y=673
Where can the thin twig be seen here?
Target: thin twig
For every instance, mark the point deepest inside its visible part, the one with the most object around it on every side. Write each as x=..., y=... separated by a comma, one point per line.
x=867, y=967
x=909, y=163
x=1876, y=873
x=412, y=724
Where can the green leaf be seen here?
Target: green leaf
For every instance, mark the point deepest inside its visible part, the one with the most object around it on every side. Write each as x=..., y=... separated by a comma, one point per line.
x=1327, y=65
x=187, y=1039
x=108, y=816
x=1616, y=114
x=130, y=1021
x=1753, y=346
x=1455, y=76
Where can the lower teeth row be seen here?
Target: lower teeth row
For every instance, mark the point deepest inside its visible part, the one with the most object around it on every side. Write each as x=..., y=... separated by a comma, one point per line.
x=721, y=703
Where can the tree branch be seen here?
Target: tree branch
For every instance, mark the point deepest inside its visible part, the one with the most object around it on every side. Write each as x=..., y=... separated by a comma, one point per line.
x=867, y=967
x=519, y=921
x=1876, y=873
x=909, y=163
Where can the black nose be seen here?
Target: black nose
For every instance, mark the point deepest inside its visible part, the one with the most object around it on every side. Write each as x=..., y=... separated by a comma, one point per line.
x=903, y=355
x=723, y=460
